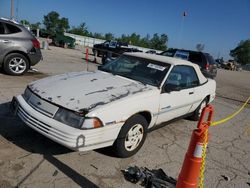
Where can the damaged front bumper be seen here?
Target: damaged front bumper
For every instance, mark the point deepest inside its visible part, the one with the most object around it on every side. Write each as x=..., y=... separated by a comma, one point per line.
x=72, y=138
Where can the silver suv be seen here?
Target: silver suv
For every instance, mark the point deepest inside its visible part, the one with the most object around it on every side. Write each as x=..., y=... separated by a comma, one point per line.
x=19, y=49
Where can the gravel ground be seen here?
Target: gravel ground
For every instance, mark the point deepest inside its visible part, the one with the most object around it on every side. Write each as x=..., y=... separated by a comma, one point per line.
x=28, y=159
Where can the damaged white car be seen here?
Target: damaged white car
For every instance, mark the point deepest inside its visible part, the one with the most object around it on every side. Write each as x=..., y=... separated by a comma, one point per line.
x=115, y=105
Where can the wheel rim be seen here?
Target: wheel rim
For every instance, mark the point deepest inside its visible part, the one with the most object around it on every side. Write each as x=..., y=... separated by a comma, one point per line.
x=17, y=65
x=134, y=137
x=203, y=105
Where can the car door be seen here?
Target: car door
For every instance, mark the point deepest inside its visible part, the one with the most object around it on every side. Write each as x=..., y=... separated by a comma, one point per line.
x=177, y=96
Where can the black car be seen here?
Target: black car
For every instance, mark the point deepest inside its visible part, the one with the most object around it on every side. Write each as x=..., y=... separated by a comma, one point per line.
x=204, y=60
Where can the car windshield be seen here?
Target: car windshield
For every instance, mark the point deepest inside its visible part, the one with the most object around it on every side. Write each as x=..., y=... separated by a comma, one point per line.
x=139, y=69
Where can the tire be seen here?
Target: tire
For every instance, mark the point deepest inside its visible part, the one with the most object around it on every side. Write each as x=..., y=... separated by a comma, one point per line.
x=125, y=146
x=16, y=64
x=197, y=113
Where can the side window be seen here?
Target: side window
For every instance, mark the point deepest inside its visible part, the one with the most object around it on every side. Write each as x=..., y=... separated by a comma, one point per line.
x=2, y=31
x=12, y=29
x=182, y=77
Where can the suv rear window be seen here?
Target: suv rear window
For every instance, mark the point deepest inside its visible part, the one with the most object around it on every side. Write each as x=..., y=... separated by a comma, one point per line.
x=12, y=29
x=210, y=59
x=197, y=59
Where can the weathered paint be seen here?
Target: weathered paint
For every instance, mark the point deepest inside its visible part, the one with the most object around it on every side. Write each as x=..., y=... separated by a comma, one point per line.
x=76, y=91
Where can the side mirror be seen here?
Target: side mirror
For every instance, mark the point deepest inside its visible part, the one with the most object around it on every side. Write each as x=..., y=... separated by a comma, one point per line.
x=171, y=87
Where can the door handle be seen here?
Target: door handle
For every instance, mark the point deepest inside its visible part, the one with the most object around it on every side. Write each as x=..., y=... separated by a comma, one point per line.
x=6, y=41
x=191, y=93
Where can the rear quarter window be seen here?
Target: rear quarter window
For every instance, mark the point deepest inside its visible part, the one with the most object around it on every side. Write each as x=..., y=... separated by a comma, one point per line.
x=11, y=29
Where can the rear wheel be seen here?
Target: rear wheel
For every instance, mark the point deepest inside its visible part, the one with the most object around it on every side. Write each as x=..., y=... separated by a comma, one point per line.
x=197, y=113
x=131, y=136
x=16, y=64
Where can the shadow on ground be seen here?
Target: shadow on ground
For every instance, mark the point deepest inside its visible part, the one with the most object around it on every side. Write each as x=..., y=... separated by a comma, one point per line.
x=15, y=131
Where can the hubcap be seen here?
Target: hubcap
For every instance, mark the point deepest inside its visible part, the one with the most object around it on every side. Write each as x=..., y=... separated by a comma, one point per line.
x=203, y=105
x=134, y=137
x=17, y=65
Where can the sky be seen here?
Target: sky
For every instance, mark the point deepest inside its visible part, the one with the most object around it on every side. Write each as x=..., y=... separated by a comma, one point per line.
x=219, y=24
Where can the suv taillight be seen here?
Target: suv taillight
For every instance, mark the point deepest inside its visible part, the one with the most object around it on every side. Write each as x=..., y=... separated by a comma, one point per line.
x=36, y=43
x=207, y=66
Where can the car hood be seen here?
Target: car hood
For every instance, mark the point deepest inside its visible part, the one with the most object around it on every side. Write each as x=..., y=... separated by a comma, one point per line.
x=85, y=91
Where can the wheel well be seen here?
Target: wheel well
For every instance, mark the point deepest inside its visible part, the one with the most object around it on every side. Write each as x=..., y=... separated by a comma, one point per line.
x=19, y=52
x=207, y=98
x=146, y=115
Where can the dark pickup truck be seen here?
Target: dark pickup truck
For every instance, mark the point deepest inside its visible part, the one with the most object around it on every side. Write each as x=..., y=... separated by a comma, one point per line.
x=112, y=48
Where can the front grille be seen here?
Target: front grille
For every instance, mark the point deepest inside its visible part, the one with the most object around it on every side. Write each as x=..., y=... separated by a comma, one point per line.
x=33, y=121
x=43, y=127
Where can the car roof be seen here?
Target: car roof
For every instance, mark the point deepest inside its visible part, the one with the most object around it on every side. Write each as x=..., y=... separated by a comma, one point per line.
x=163, y=59
x=6, y=20
x=169, y=60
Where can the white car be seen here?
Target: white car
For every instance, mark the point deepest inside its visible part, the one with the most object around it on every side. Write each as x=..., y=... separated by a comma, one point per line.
x=115, y=105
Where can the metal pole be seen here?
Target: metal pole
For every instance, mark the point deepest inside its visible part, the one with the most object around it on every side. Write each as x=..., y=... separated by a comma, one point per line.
x=12, y=10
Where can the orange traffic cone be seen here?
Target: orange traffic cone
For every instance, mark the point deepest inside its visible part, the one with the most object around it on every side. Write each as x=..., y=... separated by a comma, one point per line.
x=188, y=177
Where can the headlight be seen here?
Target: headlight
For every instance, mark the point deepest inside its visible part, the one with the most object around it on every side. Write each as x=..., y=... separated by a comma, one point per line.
x=27, y=94
x=69, y=118
x=75, y=120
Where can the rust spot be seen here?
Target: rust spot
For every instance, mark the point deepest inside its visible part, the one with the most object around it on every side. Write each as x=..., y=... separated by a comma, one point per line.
x=99, y=91
x=109, y=88
x=114, y=98
x=95, y=105
x=93, y=80
x=138, y=91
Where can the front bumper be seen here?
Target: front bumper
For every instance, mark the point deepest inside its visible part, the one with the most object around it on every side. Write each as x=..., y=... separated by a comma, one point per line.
x=72, y=138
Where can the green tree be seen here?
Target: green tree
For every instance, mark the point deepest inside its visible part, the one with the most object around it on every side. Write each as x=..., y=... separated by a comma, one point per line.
x=80, y=30
x=54, y=24
x=35, y=25
x=25, y=22
x=109, y=36
x=242, y=52
x=200, y=47
x=159, y=42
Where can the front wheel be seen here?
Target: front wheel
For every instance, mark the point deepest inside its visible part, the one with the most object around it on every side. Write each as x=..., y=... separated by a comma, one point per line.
x=131, y=136
x=16, y=64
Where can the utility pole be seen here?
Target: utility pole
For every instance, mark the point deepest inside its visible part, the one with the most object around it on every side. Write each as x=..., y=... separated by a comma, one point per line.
x=12, y=10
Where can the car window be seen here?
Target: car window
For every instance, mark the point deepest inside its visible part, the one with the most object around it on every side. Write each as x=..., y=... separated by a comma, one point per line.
x=197, y=59
x=2, y=31
x=182, y=77
x=139, y=69
x=12, y=29
x=169, y=53
x=181, y=54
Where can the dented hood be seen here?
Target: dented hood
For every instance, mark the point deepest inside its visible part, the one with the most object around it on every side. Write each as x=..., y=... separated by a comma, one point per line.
x=86, y=90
